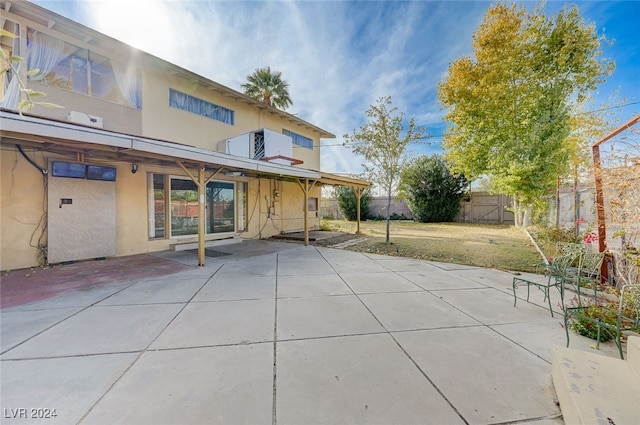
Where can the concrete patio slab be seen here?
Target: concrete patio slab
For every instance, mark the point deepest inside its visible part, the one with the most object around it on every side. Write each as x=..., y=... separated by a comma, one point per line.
x=74, y=299
x=98, y=330
x=19, y=325
x=227, y=288
x=439, y=279
x=258, y=266
x=402, y=264
x=311, y=286
x=498, y=279
x=452, y=266
x=491, y=306
x=304, y=268
x=300, y=253
x=541, y=336
x=156, y=291
x=332, y=255
x=222, y=385
x=324, y=316
x=358, y=265
x=219, y=323
x=66, y=387
x=366, y=282
x=490, y=381
x=409, y=311
x=356, y=380
x=456, y=351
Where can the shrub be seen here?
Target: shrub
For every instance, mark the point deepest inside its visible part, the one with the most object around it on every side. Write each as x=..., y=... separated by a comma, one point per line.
x=588, y=328
x=393, y=216
x=433, y=191
x=347, y=202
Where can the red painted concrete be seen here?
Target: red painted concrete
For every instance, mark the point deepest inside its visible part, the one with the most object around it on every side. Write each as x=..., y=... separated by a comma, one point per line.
x=18, y=287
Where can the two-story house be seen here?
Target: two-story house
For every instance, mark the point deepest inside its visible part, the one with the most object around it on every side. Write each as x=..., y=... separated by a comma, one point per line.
x=139, y=155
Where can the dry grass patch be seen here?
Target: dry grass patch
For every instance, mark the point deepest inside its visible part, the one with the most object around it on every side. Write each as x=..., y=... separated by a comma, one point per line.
x=498, y=246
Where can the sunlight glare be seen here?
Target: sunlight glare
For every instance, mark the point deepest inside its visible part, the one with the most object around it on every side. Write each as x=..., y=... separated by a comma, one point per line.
x=144, y=24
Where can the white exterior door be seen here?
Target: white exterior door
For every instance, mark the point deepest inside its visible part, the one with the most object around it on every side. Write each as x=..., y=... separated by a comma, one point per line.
x=81, y=219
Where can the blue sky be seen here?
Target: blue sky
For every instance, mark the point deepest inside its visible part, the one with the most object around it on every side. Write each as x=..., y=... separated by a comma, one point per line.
x=340, y=56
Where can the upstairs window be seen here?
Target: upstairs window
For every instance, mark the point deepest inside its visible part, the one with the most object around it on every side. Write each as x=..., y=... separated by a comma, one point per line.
x=299, y=140
x=200, y=107
x=60, y=64
x=10, y=46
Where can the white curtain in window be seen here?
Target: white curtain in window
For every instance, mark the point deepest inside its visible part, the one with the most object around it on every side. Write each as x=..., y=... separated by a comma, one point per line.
x=10, y=84
x=128, y=83
x=43, y=54
x=11, y=90
x=200, y=107
x=210, y=110
x=178, y=100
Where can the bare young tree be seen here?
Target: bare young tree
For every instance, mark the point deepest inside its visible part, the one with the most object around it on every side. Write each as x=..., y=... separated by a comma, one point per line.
x=382, y=142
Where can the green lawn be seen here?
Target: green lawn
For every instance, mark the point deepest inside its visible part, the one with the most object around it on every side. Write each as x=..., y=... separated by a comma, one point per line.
x=499, y=246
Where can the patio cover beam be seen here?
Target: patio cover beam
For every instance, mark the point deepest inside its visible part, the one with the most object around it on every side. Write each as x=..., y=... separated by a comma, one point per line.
x=358, y=192
x=306, y=189
x=201, y=183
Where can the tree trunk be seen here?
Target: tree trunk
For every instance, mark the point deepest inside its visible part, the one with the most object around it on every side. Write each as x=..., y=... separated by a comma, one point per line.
x=576, y=202
x=558, y=202
x=518, y=213
x=526, y=216
x=387, y=240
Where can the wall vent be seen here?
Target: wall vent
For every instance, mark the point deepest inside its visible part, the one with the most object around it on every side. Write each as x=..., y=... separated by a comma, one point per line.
x=84, y=119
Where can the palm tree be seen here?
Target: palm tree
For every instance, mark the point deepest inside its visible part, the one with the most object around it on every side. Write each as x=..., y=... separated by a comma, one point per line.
x=268, y=87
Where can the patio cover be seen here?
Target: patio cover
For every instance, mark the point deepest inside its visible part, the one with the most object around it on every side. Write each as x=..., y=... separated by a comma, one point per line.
x=92, y=143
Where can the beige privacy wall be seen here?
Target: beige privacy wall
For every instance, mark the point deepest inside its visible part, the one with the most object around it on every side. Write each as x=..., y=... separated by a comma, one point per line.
x=86, y=227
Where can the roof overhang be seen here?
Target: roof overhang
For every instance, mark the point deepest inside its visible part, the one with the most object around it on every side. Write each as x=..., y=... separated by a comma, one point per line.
x=67, y=138
x=337, y=180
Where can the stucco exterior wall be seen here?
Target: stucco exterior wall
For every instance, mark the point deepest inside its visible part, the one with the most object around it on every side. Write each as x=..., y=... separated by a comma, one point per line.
x=116, y=117
x=22, y=205
x=276, y=215
x=161, y=121
x=23, y=195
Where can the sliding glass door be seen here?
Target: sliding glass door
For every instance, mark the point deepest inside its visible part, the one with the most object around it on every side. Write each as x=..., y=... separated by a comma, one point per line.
x=220, y=207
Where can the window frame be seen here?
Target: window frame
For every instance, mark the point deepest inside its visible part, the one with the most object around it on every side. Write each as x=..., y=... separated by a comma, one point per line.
x=97, y=78
x=196, y=106
x=299, y=139
x=238, y=189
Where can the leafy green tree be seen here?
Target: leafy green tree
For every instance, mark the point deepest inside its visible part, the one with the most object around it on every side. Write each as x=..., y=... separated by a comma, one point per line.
x=510, y=106
x=268, y=87
x=348, y=204
x=382, y=141
x=433, y=192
